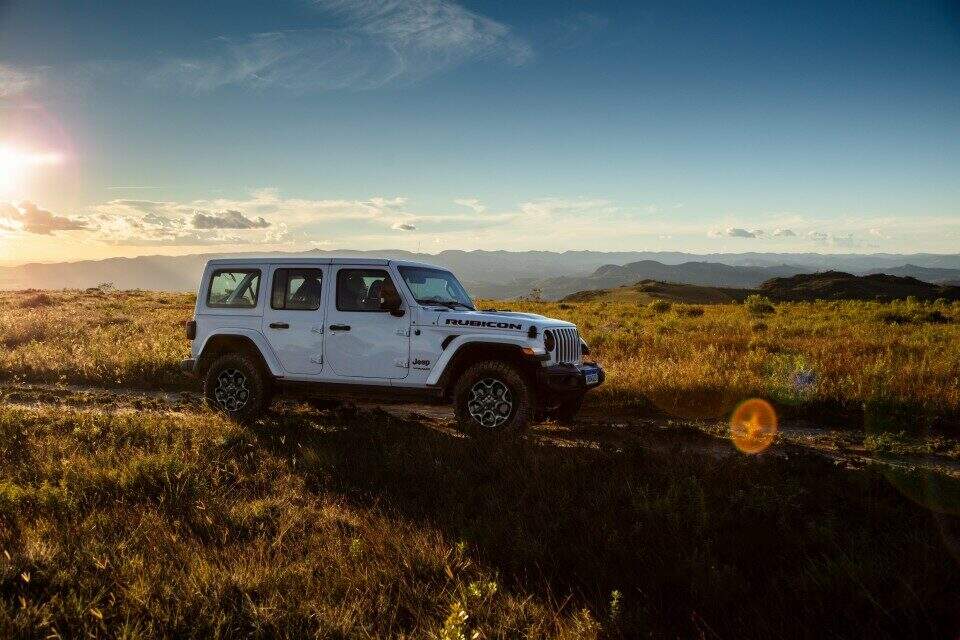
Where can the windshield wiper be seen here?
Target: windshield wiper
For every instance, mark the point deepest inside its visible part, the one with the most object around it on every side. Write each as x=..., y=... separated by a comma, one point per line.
x=449, y=304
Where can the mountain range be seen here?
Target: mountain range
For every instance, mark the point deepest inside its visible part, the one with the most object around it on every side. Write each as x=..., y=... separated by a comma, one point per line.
x=508, y=274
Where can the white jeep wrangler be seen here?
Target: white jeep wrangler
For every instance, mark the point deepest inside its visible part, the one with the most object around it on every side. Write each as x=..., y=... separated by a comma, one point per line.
x=380, y=329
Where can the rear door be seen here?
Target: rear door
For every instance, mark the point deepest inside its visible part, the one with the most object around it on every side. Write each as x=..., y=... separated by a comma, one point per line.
x=361, y=340
x=293, y=317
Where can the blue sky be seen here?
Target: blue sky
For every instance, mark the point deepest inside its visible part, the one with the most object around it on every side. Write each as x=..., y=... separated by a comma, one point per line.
x=130, y=128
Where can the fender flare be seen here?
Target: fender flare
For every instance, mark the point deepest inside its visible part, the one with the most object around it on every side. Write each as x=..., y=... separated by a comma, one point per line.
x=258, y=340
x=463, y=340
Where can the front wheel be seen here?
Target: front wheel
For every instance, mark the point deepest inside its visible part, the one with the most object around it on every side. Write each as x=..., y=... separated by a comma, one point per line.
x=493, y=398
x=237, y=387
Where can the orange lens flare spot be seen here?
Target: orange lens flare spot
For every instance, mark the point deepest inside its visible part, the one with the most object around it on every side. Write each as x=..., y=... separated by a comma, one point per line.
x=753, y=426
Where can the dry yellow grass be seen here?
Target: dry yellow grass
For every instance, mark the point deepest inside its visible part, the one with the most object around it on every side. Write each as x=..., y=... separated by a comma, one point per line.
x=819, y=355
x=140, y=521
x=683, y=360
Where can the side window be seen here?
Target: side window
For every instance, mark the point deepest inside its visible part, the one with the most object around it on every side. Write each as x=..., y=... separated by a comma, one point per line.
x=234, y=288
x=362, y=289
x=296, y=289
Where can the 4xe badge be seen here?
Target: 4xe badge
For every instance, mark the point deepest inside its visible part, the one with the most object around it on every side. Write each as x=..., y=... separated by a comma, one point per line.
x=484, y=323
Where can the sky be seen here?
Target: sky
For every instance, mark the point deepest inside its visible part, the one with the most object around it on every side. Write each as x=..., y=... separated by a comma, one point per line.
x=133, y=128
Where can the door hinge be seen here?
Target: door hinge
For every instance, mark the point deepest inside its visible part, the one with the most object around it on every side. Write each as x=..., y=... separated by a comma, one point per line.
x=316, y=359
x=403, y=364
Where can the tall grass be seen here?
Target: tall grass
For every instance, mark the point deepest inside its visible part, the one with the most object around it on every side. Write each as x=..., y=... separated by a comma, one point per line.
x=127, y=338
x=362, y=525
x=820, y=356
x=824, y=358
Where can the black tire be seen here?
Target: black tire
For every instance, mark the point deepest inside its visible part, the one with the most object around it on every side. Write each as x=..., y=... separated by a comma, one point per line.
x=566, y=412
x=237, y=386
x=494, y=398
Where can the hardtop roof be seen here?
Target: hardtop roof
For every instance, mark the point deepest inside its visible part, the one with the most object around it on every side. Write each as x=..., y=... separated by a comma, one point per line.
x=247, y=261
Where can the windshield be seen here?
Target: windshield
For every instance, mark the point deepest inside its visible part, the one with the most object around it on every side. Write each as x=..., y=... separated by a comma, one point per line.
x=435, y=286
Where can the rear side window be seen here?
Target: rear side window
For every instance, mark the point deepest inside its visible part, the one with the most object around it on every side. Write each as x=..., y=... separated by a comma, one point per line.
x=361, y=289
x=234, y=288
x=296, y=289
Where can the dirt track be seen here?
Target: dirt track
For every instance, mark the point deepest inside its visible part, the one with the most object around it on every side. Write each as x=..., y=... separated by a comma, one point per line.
x=595, y=429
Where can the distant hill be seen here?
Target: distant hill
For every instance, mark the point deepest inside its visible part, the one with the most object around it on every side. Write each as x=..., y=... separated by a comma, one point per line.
x=504, y=274
x=648, y=290
x=837, y=285
x=713, y=274
x=827, y=285
x=927, y=274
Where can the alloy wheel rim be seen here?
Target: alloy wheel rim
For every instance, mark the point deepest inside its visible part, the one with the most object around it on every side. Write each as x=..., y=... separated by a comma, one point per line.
x=490, y=403
x=231, y=392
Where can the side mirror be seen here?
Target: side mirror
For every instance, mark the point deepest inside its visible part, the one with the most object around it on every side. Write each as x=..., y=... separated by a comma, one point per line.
x=391, y=302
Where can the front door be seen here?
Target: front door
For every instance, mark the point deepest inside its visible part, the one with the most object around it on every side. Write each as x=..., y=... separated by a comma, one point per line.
x=293, y=320
x=362, y=341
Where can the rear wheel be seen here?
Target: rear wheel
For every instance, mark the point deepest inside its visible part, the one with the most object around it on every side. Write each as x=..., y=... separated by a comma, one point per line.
x=493, y=398
x=236, y=386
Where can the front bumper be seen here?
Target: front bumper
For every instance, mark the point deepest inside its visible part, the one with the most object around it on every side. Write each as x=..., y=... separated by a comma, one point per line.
x=188, y=366
x=570, y=378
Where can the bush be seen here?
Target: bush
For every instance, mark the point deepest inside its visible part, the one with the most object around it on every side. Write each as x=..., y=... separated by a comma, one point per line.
x=36, y=300
x=660, y=306
x=916, y=315
x=689, y=311
x=758, y=305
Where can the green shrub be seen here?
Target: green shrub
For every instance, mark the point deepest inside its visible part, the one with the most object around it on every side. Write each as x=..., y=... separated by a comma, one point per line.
x=758, y=305
x=660, y=306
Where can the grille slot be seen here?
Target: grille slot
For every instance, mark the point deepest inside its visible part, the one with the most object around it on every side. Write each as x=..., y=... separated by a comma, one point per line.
x=568, y=346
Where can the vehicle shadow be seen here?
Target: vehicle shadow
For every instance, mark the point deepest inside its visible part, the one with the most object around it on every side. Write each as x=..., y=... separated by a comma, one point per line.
x=672, y=541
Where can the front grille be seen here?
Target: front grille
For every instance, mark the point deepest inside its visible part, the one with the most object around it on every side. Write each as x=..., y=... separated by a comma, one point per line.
x=568, y=346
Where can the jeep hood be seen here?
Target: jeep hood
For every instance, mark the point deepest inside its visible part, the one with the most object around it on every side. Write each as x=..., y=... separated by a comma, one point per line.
x=495, y=320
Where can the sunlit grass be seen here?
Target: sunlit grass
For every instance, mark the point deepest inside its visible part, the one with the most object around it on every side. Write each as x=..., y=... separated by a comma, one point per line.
x=692, y=361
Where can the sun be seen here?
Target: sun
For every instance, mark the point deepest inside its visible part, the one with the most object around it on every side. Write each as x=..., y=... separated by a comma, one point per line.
x=16, y=163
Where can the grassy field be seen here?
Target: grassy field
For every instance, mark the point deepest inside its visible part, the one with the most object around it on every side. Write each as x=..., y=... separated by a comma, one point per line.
x=146, y=522
x=857, y=364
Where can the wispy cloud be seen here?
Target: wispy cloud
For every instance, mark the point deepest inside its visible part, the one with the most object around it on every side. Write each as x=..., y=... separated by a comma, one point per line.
x=784, y=233
x=15, y=81
x=471, y=203
x=734, y=232
x=403, y=226
x=377, y=43
x=566, y=208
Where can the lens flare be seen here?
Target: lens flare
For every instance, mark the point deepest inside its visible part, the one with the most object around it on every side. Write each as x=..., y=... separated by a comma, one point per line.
x=16, y=163
x=753, y=425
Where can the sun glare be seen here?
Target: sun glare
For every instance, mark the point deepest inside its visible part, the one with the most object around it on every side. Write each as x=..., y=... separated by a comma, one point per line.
x=15, y=165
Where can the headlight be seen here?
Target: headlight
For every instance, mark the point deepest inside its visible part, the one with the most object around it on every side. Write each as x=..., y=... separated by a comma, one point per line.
x=584, y=349
x=549, y=341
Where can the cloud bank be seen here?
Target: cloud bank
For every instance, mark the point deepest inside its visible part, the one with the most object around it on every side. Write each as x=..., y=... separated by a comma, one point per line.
x=30, y=218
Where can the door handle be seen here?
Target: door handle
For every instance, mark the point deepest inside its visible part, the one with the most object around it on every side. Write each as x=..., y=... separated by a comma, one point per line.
x=339, y=327
x=279, y=325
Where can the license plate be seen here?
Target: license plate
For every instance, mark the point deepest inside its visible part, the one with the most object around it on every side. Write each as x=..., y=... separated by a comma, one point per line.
x=593, y=378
